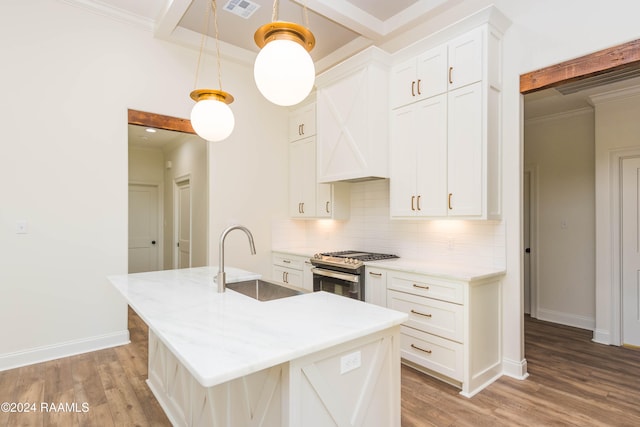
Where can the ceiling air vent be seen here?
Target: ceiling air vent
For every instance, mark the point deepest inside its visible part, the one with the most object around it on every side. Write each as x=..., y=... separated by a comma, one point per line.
x=242, y=8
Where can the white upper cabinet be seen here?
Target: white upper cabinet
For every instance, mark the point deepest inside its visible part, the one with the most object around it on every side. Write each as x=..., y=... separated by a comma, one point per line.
x=419, y=78
x=308, y=198
x=302, y=122
x=418, y=182
x=302, y=178
x=465, y=55
x=445, y=143
x=352, y=118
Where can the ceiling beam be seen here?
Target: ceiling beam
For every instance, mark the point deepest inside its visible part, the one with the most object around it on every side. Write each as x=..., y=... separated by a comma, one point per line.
x=158, y=121
x=614, y=58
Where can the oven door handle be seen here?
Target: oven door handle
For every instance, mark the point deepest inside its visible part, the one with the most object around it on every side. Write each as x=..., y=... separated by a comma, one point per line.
x=336, y=275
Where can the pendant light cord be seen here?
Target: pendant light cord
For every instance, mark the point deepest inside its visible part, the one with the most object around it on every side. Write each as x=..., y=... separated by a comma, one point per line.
x=203, y=41
x=215, y=24
x=276, y=7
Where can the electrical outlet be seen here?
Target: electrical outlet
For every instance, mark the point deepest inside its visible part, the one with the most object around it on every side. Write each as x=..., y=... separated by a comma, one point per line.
x=350, y=362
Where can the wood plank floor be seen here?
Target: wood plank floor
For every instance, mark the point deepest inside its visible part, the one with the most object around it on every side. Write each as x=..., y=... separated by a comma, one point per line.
x=572, y=382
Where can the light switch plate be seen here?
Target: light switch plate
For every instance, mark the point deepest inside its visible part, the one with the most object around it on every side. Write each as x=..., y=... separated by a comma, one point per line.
x=22, y=227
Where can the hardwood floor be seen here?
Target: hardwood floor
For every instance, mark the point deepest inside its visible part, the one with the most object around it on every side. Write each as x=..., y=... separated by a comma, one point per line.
x=572, y=381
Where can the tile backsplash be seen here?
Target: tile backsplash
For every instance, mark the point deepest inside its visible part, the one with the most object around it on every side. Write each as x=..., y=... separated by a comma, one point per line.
x=370, y=228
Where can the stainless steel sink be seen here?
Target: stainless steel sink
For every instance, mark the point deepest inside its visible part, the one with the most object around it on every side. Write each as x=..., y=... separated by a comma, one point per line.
x=263, y=290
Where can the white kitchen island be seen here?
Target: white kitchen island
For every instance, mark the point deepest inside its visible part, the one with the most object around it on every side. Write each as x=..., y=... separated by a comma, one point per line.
x=225, y=359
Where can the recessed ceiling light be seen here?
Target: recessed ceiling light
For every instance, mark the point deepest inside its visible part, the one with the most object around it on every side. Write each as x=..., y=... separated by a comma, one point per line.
x=151, y=130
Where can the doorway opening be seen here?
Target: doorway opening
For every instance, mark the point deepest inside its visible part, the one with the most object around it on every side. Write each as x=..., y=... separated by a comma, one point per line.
x=581, y=74
x=166, y=155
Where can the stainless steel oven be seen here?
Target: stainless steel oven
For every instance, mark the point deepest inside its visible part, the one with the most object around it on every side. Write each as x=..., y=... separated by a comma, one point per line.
x=342, y=273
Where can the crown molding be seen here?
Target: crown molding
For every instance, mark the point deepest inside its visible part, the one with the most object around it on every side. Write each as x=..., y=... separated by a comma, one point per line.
x=99, y=8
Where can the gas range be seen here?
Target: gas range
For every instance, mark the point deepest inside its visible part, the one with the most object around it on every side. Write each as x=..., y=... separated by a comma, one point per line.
x=348, y=259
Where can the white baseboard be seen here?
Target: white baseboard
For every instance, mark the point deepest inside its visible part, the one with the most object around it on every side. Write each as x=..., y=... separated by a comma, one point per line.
x=581, y=322
x=65, y=349
x=515, y=369
x=602, y=337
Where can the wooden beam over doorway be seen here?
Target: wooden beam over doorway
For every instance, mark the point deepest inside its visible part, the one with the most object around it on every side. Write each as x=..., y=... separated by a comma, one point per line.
x=158, y=121
x=626, y=55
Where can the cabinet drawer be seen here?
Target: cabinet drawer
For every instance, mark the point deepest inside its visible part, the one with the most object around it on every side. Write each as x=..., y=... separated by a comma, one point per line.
x=427, y=287
x=435, y=353
x=293, y=262
x=429, y=315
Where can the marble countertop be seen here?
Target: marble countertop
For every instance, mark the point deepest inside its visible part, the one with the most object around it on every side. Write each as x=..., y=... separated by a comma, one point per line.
x=222, y=336
x=451, y=271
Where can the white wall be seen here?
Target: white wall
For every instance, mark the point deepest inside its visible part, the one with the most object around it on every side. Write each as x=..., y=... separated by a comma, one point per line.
x=68, y=78
x=560, y=148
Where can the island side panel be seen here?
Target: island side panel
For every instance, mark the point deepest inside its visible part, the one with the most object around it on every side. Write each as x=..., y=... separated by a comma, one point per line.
x=253, y=400
x=356, y=383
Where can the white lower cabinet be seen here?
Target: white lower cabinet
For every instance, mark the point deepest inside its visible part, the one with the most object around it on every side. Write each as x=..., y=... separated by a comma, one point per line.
x=294, y=270
x=375, y=286
x=454, y=327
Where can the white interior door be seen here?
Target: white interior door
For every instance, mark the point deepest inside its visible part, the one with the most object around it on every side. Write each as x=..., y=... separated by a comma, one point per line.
x=183, y=224
x=630, y=238
x=143, y=228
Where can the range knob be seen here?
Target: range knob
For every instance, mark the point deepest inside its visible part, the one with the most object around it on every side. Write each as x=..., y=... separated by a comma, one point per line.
x=317, y=256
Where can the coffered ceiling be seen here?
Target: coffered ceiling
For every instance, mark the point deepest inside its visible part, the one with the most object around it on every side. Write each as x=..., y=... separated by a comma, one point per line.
x=341, y=27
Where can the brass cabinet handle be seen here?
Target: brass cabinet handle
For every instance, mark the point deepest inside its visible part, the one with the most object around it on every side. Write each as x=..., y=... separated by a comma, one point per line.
x=418, y=204
x=299, y=208
x=413, y=198
x=420, y=286
x=420, y=314
x=421, y=349
x=419, y=87
x=450, y=75
x=413, y=88
x=286, y=261
x=450, y=195
x=302, y=128
x=375, y=274
x=302, y=207
x=326, y=207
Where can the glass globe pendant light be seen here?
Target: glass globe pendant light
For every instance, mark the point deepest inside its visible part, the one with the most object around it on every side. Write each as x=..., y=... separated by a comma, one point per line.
x=211, y=117
x=284, y=71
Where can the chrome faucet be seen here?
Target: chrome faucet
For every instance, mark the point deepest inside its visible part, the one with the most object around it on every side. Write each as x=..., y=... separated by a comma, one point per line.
x=221, y=279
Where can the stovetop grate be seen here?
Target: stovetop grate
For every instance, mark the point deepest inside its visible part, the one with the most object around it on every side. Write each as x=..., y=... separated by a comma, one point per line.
x=360, y=255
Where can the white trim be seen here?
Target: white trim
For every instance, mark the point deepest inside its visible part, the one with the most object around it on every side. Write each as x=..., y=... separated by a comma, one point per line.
x=178, y=181
x=615, y=168
x=112, y=12
x=65, y=349
x=515, y=369
x=563, y=318
x=564, y=115
x=532, y=169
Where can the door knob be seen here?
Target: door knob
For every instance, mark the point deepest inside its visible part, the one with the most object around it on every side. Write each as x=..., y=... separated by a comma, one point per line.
x=527, y=250
x=153, y=242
